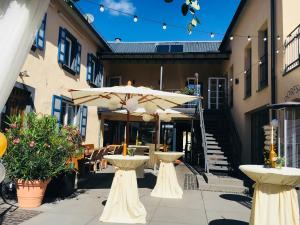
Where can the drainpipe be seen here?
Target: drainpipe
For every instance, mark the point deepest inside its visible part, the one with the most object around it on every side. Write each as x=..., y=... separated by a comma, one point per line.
x=161, y=77
x=273, y=54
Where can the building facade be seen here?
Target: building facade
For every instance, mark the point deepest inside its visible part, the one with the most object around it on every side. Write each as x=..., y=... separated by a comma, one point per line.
x=255, y=65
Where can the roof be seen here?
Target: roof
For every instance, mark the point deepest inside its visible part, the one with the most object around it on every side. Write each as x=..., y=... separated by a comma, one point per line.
x=284, y=105
x=232, y=24
x=150, y=47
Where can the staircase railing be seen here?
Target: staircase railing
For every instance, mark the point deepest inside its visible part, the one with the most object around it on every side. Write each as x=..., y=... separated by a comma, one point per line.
x=204, y=141
x=235, y=141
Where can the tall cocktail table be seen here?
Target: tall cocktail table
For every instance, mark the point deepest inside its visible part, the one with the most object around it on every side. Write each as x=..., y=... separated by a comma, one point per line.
x=167, y=184
x=123, y=204
x=275, y=199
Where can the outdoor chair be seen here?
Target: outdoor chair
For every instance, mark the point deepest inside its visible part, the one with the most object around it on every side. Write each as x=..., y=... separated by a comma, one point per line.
x=92, y=161
x=88, y=149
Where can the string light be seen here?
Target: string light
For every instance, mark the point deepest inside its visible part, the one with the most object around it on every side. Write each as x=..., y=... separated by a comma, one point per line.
x=101, y=8
x=265, y=38
x=249, y=38
x=277, y=51
x=278, y=37
x=245, y=71
x=260, y=62
x=164, y=26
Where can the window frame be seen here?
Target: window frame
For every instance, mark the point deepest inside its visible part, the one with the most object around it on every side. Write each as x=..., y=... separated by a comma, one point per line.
x=263, y=70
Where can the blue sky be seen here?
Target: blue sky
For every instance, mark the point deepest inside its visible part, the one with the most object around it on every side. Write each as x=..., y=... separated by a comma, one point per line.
x=215, y=16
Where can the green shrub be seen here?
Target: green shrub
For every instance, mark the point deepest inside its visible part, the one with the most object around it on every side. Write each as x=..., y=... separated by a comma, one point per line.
x=37, y=149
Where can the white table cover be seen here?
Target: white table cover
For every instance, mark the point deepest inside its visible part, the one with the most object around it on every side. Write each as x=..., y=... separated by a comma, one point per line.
x=275, y=199
x=167, y=184
x=123, y=204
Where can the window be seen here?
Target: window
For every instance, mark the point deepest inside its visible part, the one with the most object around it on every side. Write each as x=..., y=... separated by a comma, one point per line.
x=247, y=72
x=69, y=51
x=169, y=48
x=94, y=71
x=162, y=48
x=263, y=63
x=114, y=81
x=292, y=50
x=69, y=114
x=39, y=41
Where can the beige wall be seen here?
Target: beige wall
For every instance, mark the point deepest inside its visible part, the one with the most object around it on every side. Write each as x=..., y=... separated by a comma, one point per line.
x=174, y=75
x=256, y=15
x=47, y=76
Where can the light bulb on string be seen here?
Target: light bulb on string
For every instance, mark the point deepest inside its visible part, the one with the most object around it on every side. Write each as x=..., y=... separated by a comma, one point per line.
x=260, y=62
x=231, y=38
x=278, y=37
x=164, y=26
x=101, y=8
x=265, y=38
x=249, y=38
x=212, y=35
x=135, y=18
x=277, y=51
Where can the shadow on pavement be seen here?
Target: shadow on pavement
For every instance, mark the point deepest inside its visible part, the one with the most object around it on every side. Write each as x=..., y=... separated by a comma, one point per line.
x=227, y=222
x=241, y=199
x=104, y=181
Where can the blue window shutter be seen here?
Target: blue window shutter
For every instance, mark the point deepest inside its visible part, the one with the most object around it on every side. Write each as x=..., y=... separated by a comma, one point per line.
x=61, y=45
x=40, y=36
x=89, y=68
x=78, y=58
x=56, y=107
x=83, y=121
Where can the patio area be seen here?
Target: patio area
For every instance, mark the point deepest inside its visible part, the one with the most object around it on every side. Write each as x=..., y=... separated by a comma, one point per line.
x=196, y=207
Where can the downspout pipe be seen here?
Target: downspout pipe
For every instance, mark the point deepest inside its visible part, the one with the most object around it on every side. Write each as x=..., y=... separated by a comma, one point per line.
x=273, y=54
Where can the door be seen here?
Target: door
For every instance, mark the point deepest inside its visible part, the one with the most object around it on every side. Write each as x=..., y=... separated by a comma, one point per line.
x=216, y=93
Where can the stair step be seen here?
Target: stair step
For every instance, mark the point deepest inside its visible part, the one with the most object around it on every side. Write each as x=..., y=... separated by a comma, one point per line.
x=216, y=157
x=210, y=139
x=219, y=168
x=218, y=152
x=218, y=162
x=208, y=135
x=213, y=147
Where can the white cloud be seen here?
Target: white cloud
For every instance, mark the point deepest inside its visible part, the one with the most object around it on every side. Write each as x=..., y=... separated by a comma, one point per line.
x=120, y=5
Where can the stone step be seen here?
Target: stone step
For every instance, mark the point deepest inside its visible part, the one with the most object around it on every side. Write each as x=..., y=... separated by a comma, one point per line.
x=218, y=162
x=218, y=168
x=212, y=147
x=208, y=135
x=218, y=152
x=212, y=142
x=210, y=139
x=216, y=157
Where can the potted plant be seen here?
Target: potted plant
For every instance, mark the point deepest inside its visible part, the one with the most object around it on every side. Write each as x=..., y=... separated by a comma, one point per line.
x=37, y=151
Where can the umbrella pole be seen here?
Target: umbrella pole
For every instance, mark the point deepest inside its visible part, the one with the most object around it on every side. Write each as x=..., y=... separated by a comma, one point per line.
x=127, y=135
x=156, y=131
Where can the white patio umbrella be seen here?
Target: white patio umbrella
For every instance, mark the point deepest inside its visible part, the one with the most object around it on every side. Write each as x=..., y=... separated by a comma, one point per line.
x=129, y=98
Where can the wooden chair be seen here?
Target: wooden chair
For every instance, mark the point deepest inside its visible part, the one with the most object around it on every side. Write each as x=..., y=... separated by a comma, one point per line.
x=92, y=160
x=88, y=149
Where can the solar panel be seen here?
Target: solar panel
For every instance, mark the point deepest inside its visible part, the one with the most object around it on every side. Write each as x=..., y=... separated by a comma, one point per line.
x=176, y=48
x=162, y=48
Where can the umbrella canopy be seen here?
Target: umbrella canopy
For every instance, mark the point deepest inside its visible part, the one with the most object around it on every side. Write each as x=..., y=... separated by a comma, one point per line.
x=127, y=96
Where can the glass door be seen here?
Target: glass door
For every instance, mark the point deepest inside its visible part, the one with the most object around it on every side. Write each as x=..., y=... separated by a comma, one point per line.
x=216, y=93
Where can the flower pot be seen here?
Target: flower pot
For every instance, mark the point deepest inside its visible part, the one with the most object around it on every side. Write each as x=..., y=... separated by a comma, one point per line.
x=31, y=193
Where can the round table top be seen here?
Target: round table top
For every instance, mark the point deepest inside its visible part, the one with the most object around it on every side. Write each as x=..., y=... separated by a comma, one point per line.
x=126, y=162
x=279, y=176
x=168, y=156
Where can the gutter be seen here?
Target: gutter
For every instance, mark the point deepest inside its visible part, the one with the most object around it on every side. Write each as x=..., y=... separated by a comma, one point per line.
x=273, y=52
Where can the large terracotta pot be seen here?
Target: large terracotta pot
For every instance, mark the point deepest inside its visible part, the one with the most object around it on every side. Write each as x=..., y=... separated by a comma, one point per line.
x=31, y=193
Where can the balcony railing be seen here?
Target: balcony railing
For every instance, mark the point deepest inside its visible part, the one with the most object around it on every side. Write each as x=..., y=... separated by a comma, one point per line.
x=263, y=72
x=292, y=50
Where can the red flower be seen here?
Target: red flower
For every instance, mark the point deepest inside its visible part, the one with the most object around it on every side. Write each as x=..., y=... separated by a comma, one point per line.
x=13, y=125
x=32, y=144
x=16, y=141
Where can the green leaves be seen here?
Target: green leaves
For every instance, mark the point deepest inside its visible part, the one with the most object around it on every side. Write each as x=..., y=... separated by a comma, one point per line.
x=191, y=6
x=36, y=148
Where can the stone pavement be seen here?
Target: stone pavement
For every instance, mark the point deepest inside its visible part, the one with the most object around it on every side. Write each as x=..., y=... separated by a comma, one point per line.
x=196, y=207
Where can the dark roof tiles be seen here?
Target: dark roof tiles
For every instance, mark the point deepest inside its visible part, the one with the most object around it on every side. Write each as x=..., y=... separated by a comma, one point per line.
x=150, y=47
